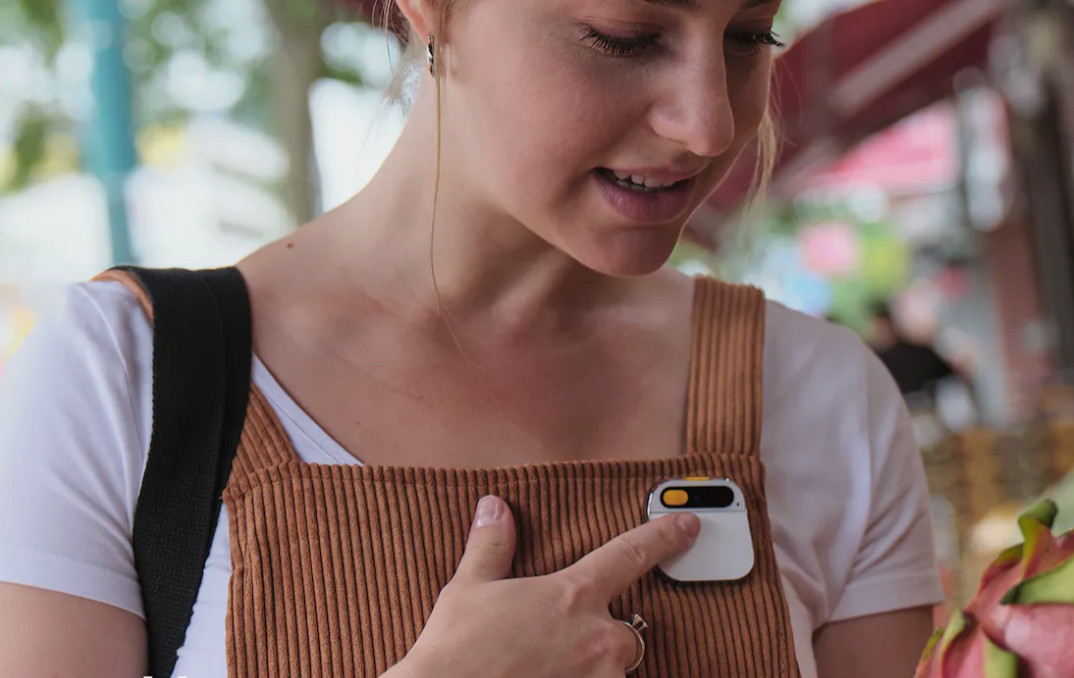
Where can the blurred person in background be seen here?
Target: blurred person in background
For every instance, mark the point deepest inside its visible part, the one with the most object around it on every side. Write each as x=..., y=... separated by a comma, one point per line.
x=917, y=368
x=931, y=384
x=497, y=297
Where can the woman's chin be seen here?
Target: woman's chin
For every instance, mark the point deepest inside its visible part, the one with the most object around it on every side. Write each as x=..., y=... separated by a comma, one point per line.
x=629, y=255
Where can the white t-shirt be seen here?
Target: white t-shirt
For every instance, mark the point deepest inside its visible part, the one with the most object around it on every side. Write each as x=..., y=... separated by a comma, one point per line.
x=846, y=489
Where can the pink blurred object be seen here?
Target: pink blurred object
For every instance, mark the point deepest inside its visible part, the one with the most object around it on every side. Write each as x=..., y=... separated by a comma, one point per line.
x=831, y=248
x=1021, y=622
x=913, y=156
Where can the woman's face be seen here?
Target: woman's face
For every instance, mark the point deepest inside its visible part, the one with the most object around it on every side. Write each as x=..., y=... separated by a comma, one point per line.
x=555, y=109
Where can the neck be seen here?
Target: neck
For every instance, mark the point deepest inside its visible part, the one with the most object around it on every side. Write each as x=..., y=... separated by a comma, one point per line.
x=489, y=268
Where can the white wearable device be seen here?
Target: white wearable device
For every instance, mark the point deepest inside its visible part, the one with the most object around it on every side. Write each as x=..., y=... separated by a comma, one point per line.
x=723, y=551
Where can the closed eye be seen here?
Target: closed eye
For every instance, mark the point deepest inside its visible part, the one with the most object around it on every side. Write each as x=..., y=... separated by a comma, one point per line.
x=752, y=43
x=621, y=46
x=745, y=42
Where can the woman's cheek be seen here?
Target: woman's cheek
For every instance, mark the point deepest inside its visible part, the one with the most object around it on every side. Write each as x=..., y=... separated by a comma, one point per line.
x=750, y=98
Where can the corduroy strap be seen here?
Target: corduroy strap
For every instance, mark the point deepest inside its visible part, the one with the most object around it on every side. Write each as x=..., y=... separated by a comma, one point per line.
x=201, y=384
x=724, y=407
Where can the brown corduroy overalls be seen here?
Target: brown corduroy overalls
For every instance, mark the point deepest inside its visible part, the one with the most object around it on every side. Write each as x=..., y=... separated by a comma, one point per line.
x=335, y=568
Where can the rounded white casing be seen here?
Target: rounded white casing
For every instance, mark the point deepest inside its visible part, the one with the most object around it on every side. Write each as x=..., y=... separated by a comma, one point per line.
x=723, y=550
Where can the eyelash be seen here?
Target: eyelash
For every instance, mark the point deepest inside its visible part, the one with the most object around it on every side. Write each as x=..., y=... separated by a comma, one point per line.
x=617, y=46
x=621, y=47
x=756, y=41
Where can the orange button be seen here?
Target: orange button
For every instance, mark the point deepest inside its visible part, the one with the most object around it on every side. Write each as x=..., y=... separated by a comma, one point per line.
x=696, y=478
x=675, y=498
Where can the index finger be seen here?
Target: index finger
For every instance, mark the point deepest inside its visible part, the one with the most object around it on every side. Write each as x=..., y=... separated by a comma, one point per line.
x=613, y=568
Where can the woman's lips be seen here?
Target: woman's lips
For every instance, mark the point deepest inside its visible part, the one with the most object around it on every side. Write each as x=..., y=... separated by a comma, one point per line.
x=645, y=206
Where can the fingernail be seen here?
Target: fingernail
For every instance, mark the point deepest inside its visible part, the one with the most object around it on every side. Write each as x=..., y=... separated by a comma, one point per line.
x=689, y=524
x=488, y=510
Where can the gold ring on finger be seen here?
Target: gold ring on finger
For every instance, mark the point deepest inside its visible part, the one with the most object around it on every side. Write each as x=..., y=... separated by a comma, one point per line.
x=636, y=625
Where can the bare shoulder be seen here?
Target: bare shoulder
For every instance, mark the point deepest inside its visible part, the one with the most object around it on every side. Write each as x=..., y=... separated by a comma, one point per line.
x=285, y=279
x=280, y=265
x=44, y=633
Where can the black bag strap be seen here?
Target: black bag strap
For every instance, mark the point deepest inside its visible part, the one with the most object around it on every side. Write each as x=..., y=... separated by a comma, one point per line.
x=201, y=384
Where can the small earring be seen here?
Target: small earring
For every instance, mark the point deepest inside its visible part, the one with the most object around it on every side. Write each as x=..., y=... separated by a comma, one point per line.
x=432, y=57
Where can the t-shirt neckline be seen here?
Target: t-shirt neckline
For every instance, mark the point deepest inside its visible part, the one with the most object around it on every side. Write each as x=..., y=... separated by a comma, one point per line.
x=287, y=408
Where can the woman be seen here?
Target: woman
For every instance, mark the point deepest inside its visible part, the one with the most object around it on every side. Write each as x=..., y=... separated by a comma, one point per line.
x=563, y=144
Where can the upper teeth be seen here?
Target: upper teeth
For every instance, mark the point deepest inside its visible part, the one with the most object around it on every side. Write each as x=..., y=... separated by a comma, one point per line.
x=647, y=182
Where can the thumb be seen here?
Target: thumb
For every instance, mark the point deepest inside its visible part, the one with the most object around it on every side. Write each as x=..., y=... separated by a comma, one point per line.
x=491, y=545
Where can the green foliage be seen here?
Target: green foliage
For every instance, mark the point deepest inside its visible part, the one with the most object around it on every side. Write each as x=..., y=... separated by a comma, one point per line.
x=305, y=12
x=884, y=261
x=161, y=29
x=157, y=32
x=29, y=146
x=40, y=22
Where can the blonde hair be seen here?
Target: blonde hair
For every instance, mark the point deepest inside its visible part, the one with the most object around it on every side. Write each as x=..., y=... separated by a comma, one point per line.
x=768, y=140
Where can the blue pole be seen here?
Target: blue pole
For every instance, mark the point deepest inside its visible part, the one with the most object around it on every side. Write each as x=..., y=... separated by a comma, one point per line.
x=108, y=135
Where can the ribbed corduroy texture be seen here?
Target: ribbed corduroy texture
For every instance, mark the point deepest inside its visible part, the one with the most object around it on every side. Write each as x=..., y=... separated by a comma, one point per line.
x=336, y=568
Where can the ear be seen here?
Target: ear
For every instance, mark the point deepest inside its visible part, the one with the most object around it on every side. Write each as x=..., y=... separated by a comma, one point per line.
x=421, y=14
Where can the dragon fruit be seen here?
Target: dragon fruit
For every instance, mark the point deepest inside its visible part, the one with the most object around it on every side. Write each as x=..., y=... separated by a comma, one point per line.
x=1021, y=622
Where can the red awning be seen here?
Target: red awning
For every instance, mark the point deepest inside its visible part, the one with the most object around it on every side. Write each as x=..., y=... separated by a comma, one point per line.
x=914, y=156
x=862, y=70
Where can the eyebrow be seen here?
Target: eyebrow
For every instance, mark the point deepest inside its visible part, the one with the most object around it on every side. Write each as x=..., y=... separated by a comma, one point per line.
x=694, y=5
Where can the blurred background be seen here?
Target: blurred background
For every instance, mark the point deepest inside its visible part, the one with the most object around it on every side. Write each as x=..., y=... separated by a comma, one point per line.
x=923, y=196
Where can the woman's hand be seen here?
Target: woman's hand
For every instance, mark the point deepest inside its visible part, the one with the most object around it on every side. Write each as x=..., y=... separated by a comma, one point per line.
x=556, y=625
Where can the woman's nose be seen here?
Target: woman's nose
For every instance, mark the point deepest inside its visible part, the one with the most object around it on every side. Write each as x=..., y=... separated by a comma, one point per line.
x=696, y=111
